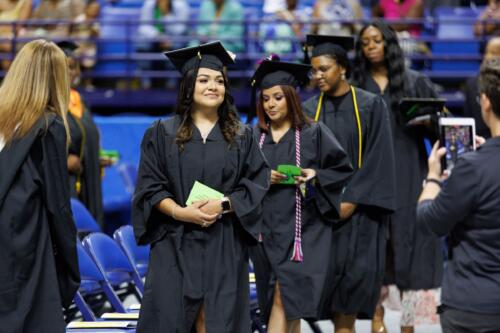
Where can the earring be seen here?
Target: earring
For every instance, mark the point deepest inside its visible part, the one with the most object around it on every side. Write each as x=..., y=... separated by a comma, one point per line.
x=343, y=76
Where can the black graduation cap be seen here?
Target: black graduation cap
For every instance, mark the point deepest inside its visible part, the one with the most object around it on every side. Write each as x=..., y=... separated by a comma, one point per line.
x=273, y=73
x=68, y=47
x=414, y=110
x=210, y=55
x=326, y=44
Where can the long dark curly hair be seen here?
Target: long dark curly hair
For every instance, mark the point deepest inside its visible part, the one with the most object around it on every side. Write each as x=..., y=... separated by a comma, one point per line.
x=228, y=116
x=393, y=58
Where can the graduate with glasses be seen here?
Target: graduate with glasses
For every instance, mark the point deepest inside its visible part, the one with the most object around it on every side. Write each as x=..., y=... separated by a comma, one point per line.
x=309, y=170
x=360, y=121
x=198, y=273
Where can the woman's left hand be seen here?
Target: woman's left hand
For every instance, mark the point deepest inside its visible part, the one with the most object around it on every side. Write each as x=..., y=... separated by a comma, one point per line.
x=213, y=206
x=479, y=140
x=307, y=175
x=434, y=162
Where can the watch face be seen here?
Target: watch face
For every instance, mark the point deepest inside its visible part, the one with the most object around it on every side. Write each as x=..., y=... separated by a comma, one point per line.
x=225, y=205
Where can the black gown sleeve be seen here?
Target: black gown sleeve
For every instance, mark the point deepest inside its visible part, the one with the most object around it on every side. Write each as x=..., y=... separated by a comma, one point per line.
x=374, y=183
x=57, y=199
x=425, y=88
x=334, y=173
x=152, y=187
x=253, y=184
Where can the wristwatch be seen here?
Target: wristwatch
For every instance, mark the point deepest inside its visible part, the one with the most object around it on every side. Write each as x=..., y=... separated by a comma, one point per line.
x=225, y=205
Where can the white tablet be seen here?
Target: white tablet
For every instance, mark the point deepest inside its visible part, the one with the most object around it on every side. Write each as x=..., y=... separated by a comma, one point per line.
x=458, y=136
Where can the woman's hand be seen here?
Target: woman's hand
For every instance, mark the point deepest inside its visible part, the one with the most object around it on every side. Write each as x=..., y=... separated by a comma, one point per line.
x=479, y=140
x=194, y=214
x=213, y=206
x=434, y=162
x=74, y=164
x=307, y=175
x=277, y=177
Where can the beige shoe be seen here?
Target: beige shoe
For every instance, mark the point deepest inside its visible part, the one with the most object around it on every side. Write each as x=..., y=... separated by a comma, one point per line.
x=344, y=323
x=378, y=325
x=407, y=329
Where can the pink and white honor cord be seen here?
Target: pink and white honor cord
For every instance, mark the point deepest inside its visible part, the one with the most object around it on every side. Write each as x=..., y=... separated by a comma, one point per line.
x=297, y=254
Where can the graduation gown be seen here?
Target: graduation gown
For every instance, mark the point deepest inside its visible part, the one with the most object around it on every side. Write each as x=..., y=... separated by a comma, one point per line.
x=190, y=264
x=303, y=285
x=37, y=235
x=85, y=135
x=358, y=260
x=415, y=258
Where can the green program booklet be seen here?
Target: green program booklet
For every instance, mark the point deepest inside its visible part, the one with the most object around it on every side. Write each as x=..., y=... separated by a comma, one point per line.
x=202, y=192
x=290, y=171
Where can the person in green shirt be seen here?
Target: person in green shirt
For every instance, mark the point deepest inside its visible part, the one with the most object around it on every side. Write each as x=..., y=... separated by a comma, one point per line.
x=216, y=12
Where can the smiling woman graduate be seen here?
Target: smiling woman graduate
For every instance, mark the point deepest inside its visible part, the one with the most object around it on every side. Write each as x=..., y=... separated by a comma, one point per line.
x=291, y=261
x=198, y=273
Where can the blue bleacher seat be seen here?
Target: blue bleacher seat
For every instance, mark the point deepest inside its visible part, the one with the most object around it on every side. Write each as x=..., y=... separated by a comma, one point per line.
x=455, y=23
x=119, y=25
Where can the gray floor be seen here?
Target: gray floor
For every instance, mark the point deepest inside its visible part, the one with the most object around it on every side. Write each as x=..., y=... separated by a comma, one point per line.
x=364, y=326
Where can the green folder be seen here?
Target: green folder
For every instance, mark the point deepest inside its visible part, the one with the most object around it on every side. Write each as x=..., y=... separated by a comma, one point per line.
x=202, y=192
x=290, y=171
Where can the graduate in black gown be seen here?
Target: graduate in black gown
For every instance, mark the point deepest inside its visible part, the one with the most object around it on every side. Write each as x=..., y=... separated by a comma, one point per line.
x=39, y=267
x=360, y=122
x=415, y=260
x=291, y=262
x=83, y=159
x=198, y=271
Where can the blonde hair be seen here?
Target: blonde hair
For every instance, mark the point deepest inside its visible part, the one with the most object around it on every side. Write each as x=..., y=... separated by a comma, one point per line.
x=37, y=83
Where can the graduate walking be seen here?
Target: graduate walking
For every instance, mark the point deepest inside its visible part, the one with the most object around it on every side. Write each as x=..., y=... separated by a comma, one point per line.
x=198, y=272
x=84, y=165
x=39, y=267
x=292, y=260
x=415, y=258
x=360, y=122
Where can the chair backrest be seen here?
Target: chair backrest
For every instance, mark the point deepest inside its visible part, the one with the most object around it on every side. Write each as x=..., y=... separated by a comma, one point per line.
x=88, y=268
x=124, y=236
x=128, y=171
x=84, y=221
x=106, y=253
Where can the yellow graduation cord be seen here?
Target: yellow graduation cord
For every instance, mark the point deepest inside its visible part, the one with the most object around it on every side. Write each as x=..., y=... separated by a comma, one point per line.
x=358, y=121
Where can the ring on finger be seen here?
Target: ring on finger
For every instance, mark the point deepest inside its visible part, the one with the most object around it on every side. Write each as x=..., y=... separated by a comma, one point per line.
x=204, y=224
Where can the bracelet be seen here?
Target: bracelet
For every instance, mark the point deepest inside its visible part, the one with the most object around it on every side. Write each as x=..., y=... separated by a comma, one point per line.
x=173, y=211
x=432, y=180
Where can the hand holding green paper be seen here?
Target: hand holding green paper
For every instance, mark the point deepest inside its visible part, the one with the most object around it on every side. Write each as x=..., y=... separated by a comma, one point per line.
x=294, y=174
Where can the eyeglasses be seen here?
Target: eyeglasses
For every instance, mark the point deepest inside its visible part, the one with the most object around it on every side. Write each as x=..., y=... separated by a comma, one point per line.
x=320, y=70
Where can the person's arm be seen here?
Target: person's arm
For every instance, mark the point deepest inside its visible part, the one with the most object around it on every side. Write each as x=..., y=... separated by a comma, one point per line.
x=315, y=16
x=374, y=183
x=146, y=27
x=439, y=210
x=247, y=195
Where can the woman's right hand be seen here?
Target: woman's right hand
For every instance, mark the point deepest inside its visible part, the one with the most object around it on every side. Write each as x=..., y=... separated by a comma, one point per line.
x=74, y=164
x=193, y=214
x=277, y=177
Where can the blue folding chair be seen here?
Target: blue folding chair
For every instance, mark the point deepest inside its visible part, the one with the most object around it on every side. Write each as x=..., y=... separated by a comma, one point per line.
x=112, y=262
x=137, y=255
x=85, y=222
x=93, y=282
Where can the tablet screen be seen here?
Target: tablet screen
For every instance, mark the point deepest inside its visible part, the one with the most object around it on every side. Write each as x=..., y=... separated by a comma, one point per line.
x=458, y=139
